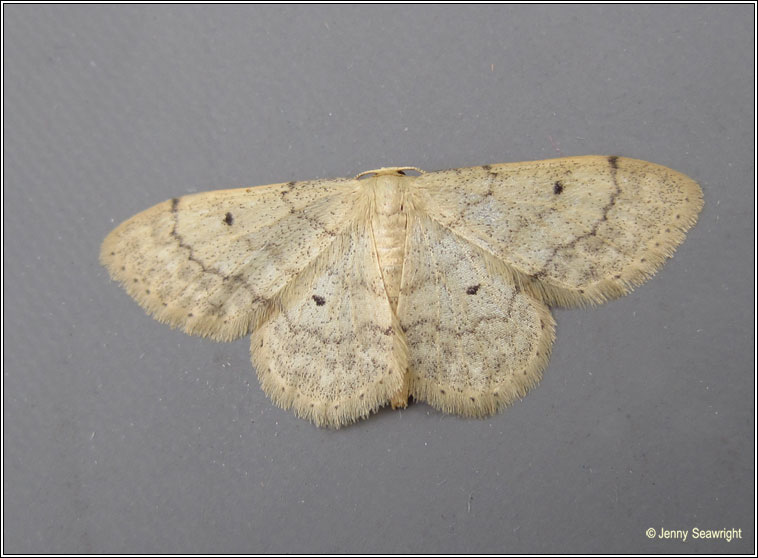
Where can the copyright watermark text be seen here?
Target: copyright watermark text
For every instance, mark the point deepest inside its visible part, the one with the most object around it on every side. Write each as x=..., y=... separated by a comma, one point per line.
x=695, y=533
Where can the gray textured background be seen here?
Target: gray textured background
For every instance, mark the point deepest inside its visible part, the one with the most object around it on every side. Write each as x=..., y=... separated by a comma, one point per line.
x=122, y=435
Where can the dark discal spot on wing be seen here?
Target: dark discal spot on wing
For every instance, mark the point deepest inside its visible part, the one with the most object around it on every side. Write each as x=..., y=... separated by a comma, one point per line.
x=613, y=162
x=229, y=219
x=472, y=289
x=557, y=187
x=319, y=300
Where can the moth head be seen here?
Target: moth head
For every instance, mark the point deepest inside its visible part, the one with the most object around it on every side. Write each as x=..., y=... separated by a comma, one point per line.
x=389, y=171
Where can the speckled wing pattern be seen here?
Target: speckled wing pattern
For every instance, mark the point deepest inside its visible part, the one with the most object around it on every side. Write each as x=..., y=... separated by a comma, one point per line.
x=477, y=341
x=335, y=351
x=362, y=292
x=572, y=231
x=211, y=263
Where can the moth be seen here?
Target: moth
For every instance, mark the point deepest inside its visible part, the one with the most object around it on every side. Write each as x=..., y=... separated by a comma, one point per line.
x=362, y=292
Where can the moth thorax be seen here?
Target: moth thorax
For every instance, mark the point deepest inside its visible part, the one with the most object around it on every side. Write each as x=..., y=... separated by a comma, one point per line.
x=389, y=222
